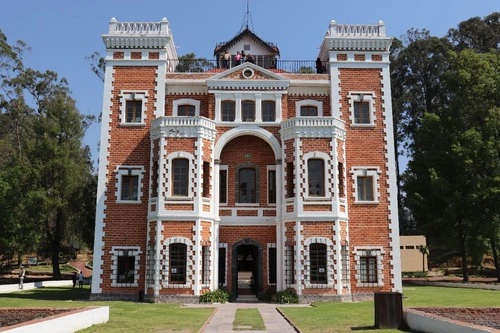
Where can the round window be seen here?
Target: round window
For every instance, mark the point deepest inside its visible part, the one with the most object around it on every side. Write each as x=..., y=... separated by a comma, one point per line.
x=247, y=73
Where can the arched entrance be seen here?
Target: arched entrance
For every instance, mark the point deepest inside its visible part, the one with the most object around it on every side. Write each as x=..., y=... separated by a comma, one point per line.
x=246, y=268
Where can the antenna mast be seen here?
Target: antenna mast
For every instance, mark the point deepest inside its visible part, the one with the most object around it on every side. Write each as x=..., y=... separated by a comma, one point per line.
x=247, y=19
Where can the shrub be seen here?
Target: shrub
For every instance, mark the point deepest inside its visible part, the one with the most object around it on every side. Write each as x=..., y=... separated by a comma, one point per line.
x=215, y=296
x=287, y=296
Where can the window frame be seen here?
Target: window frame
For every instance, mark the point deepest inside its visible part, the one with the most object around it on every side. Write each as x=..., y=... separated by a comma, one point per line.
x=125, y=251
x=238, y=192
x=272, y=189
x=180, y=261
x=272, y=265
x=169, y=179
x=355, y=97
x=136, y=96
x=225, y=113
x=186, y=101
x=361, y=172
x=318, y=253
x=129, y=170
x=329, y=268
x=265, y=110
x=248, y=105
x=308, y=103
x=182, y=191
x=223, y=169
x=319, y=179
x=363, y=267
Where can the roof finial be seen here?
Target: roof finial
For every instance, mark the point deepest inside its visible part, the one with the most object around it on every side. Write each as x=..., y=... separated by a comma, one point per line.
x=247, y=19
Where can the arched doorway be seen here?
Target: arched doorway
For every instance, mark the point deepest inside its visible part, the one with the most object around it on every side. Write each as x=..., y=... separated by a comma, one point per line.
x=246, y=268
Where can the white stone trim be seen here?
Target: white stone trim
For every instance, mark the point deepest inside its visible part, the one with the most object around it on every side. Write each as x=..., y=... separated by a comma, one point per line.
x=363, y=171
x=258, y=98
x=132, y=170
x=131, y=95
x=330, y=269
x=308, y=102
x=189, y=262
x=362, y=251
x=367, y=96
x=186, y=101
x=102, y=182
x=327, y=181
x=117, y=251
x=168, y=180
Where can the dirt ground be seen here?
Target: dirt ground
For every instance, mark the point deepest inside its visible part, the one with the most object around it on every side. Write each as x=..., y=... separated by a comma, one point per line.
x=9, y=317
x=488, y=317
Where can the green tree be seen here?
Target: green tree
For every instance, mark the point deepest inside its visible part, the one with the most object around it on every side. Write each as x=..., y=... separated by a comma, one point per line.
x=189, y=63
x=479, y=35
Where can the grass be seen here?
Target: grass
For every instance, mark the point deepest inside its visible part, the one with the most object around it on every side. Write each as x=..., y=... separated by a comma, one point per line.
x=248, y=320
x=320, y=318
x=348, y=317
x=124, y=316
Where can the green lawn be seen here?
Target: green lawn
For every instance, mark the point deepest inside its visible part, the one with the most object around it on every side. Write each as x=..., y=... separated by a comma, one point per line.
x=123, y=316
x=248, y=320
x=348, y=317
x=321, y=317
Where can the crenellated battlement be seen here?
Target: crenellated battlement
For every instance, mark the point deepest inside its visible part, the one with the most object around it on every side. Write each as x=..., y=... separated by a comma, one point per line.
x=356, y=30
x=139, y=28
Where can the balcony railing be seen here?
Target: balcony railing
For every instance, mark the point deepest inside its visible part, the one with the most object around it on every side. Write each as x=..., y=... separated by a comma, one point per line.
x=275, y=65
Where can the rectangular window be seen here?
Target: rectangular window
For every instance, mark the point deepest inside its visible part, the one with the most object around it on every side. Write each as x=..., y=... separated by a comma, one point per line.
x=308, y=111
x=248, y=111
x=228, y=110
x=133, y=111
x=368, y=269
x=268, y=110
x=186, y=110
x=206, y=180
x=341, y=179
x=154, y=180
x=222, y=186
x=272, y=265
x=271, y=186
x=289, y=266
x=290, y=190
x=180, y=176
x=178, y=263
x=247, y=189
x=361, y=112
x=345, y=264
x=222, y=266
x=130, y=188
x=318, y=266
x=365, y=188
x=126, y=269
x=316, y=177
x=205, y=266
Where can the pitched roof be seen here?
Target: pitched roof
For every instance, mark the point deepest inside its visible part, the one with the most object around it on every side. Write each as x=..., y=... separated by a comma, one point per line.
x=221, y=47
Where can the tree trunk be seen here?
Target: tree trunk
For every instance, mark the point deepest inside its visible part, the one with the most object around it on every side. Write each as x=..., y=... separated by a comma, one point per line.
x=495, y=257
x=56, y=245
x=463, y=251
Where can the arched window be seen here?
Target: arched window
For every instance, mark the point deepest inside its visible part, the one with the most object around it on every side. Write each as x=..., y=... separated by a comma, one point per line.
x=247, y=187
x=318, y=263
x=180, y=173
x=308, y=111
x=178, y=263
x=186, y=110
x=228, y=110
x=248, y=111
x=316, y=177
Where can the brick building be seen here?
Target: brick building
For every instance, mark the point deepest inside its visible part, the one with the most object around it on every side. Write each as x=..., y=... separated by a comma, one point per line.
x=254, y=176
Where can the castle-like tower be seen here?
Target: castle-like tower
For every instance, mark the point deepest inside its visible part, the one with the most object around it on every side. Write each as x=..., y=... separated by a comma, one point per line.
x=251, y=175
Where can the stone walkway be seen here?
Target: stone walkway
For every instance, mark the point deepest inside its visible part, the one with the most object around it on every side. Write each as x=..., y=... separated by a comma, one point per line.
x=222, y=320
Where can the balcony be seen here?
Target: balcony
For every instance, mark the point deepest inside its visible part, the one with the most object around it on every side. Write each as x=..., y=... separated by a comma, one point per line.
x=278, y=66
x=183, y=127
x=313, y=127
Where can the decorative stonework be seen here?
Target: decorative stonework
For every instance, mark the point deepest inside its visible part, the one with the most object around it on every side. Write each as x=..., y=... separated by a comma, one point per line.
x=313, y=127
x=363, y=251
x=130, y=251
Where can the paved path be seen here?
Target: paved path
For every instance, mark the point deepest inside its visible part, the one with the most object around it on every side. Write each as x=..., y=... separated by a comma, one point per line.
x=222, y=320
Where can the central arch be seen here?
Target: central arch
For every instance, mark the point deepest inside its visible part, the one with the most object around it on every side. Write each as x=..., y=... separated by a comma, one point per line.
x=246, y=263
x=248, y=130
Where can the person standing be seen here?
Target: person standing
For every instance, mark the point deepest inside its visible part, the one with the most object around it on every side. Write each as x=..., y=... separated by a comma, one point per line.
x=22, y=273
x=73, y=278
x=80, y=280
x=226, y=58
x=237, y=58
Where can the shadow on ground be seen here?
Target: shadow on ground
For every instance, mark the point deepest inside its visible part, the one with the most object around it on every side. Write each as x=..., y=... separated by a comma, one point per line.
x=52, y=294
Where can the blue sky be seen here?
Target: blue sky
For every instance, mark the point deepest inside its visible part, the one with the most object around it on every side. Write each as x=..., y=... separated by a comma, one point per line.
x=61, y=33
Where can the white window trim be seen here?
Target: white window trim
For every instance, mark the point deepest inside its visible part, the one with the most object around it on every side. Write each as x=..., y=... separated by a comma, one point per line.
x=326, y=182
x=128, y=95
x=271, y=168
x=117, y=251
x=257, y=98
x=166, y=262
x=187, y=101
x=125, y=170
x=170, y=185
x=363, y=172
x=376, y=251
x=365, y=96
x=329, y=263
x=272, y=246
x=225, y=168
x=308, y=102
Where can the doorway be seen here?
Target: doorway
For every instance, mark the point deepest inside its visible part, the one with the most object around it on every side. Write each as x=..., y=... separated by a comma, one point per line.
x=246, y=268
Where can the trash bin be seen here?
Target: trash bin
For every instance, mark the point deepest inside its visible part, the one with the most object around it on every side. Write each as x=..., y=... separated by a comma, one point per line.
x=388, y=309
